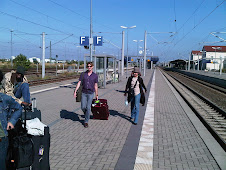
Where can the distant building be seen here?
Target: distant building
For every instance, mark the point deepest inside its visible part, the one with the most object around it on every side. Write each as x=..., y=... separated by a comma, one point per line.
x=32, y=59
x=195, y=57
x=213, y=56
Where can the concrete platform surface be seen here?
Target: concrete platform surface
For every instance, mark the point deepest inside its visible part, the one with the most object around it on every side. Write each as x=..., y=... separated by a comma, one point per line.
x=165, y=137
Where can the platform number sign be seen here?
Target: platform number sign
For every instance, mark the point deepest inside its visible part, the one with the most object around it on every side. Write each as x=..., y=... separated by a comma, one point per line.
x=97, y=40
x=84, y=40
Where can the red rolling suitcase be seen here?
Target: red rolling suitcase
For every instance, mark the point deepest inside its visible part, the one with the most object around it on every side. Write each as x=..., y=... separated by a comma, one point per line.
x=100, y=110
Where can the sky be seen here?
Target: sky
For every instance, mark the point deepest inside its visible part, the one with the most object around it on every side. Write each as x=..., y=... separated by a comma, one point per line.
x=174, y=27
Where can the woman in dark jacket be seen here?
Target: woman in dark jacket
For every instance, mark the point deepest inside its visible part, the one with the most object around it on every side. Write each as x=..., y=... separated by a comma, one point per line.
x=134, y=88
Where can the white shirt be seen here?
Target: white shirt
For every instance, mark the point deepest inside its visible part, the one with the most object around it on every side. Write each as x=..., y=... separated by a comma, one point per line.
x=136, y=89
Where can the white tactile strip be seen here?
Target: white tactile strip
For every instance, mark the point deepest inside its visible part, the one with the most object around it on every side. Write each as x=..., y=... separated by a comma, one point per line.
x=144, y=156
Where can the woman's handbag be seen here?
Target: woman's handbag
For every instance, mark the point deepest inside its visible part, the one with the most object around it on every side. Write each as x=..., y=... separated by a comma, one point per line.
x=79, y=91
x=142, y=97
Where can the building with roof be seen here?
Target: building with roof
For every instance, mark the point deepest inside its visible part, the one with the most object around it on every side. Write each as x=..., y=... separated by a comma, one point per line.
x=195, y=57
x=213, y=57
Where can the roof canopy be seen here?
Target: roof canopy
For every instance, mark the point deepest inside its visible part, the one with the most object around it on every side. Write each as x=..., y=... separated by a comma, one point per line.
x=214, y=48
x=179, y=61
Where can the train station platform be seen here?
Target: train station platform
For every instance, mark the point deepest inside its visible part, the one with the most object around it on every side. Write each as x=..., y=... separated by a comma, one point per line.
x=210, y=74
x=167, y=136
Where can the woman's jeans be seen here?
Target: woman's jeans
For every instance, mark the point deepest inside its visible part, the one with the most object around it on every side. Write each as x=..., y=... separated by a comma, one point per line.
x=3, y=152
x=23, y=91
x=135, y=106
x=86, y=105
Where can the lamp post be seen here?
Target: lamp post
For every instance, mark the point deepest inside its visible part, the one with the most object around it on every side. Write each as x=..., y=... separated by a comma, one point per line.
x=137, y=41
x=56, y=63
x=79, y=55
x=221, y=64
x=91, y=33
x=198, y=62
x=11, y=48
x=127, y=45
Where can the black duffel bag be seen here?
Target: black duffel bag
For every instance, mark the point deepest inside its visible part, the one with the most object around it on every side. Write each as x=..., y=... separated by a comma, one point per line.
x=20, y=151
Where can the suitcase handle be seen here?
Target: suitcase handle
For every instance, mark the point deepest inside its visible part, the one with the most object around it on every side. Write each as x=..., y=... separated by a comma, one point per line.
x=33, y=101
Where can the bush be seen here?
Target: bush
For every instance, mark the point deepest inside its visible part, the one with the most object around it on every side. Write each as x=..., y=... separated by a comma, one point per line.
x=21, y=60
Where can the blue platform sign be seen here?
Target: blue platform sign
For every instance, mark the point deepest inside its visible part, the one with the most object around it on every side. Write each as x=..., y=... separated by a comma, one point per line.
x=97, y=40
x=84, y=40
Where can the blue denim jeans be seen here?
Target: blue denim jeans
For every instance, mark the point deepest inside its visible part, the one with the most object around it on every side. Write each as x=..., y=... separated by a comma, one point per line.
x=86, y=105
x=23, y=91
x=3, y=152
x=135, y=106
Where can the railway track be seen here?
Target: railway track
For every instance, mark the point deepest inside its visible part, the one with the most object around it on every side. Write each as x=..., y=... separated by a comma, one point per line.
x=49, y=71
x=51, y=80
x=205, y=103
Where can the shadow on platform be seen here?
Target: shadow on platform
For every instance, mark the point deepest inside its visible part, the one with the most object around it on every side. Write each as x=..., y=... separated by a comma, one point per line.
x=70, y=115
x=121, y=91
x=115, y=113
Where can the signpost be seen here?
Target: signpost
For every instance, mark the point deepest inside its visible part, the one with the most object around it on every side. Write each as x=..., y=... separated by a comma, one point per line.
x=97, y=40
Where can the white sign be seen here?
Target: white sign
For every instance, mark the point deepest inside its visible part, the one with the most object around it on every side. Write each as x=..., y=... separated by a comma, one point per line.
x=140, y=52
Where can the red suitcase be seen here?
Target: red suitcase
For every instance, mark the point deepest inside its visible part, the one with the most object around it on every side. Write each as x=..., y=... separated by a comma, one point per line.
x=100, y=110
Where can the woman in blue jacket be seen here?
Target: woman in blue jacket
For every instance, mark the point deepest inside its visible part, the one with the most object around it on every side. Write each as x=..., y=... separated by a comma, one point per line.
x=10, y=112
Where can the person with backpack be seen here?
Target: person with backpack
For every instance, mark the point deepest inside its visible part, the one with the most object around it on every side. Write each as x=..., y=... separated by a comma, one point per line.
x=89, y=81
x=135, y=86
x=10, y=112
x=15, y=84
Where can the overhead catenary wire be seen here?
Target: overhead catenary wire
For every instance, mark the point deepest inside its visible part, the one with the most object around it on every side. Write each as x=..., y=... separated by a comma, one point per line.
x=171, y=47
x=4, y=13
x=46, y=15
x=26, y=40
x=177, y=31
x=60, y=41
x=200, y=22
x=78, y=14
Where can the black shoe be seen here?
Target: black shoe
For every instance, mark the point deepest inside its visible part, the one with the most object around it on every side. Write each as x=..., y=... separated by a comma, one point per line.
x=85, y=125
x=134, y=123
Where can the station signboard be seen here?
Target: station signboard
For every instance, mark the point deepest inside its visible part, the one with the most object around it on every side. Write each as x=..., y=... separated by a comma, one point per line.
x=96, y=40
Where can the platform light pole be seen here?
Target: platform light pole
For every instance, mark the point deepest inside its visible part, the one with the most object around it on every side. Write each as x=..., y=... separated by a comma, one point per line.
x=11, y=48
x=221, y=64
x=137, y=41
x=43, y=55
x=79, y=47
x=56, y=63
x=127, y=46
x=91, y=33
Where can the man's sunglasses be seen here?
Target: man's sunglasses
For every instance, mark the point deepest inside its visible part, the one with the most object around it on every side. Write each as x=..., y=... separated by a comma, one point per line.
x=89, y=66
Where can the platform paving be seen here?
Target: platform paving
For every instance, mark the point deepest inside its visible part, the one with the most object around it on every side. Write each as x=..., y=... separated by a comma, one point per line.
x=72, y=145
x=177, y=144
x=113, y=144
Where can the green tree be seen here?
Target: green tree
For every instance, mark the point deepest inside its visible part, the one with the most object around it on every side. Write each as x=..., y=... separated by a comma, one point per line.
x=21, y=60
